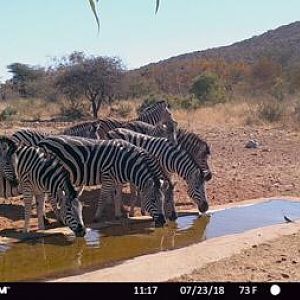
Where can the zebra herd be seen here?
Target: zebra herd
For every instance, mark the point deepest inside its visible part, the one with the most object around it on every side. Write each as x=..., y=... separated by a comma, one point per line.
x=144, y=152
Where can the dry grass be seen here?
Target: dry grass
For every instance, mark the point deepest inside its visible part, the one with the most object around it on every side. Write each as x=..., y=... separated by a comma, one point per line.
x=245, y=112
x=31, y=109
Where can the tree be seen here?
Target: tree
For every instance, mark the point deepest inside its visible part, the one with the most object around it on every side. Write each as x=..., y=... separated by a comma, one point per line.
x=208, y=88
x=23, y=75
x=95, y=78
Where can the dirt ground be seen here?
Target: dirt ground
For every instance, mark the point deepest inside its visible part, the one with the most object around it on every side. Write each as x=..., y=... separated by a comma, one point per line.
x=277, y=260
x=273, y=169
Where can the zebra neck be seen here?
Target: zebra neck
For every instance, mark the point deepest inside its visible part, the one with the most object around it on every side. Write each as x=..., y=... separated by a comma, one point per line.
x=183, y=164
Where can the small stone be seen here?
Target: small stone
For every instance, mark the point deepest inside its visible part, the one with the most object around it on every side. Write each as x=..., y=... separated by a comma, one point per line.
x=285, y=275
x=252, y=144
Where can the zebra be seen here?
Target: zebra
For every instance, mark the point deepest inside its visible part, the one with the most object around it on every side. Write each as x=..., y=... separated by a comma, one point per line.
x=109, y=163
x=37, y=176
x=84, y=129
x=173, y=158
x=167, y=130
x=197, y=148
x=30, y=137
x=154, y=114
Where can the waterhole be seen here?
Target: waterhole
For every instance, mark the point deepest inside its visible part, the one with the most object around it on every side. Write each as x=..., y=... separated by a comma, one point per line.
x=60, y=255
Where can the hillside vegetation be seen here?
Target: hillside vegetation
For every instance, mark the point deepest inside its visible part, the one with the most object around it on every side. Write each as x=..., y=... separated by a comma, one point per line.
x=260, y=74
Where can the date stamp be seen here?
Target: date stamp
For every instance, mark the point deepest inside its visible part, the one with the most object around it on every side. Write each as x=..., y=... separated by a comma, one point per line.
x=208, y=290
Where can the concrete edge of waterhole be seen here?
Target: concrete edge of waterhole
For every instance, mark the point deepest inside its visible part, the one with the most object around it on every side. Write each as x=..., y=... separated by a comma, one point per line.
x=184, y=260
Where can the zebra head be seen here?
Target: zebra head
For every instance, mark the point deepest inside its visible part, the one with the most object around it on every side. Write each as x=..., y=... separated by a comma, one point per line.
x=153, y=201
x=166, y=114
x=7, y=170
x=196, y=189
x=167, y=130
x=71, y=212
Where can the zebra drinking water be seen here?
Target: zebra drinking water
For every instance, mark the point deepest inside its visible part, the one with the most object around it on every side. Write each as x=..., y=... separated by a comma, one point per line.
x=173, y=158
x=37, y=176
x=109, y=163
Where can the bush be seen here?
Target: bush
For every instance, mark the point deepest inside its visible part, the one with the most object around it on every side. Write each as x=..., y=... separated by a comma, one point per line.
x=7, y=113
x=207, y=87
x=271, y=111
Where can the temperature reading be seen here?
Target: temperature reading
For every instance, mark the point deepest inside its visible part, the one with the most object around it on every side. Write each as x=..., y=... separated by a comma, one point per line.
x=247, y=290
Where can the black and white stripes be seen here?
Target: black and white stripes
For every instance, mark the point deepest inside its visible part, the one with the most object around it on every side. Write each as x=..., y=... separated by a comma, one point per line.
x=38, y=175
x=173, y=158
x=109, y=163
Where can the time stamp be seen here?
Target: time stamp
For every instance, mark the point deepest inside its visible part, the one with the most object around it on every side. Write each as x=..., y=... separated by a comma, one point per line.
x=208, y=290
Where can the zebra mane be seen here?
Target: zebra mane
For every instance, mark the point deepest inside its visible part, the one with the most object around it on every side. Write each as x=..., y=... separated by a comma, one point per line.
x=82, y=125
x=152, y=107
x=191, y=136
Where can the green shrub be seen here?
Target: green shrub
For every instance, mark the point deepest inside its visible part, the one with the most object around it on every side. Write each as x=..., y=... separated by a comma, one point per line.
x=7, y=113
x=207, y=87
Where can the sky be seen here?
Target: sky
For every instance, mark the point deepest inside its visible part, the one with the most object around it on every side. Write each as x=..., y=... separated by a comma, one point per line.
x=35, y=31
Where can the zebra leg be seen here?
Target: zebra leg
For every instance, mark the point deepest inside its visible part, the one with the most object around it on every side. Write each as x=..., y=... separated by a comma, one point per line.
x=46, y=221
x=106, y=193
x=54, y=207
x=28, y=198
x=40, y=203
x=133, y=200
x=139, y=200
x=118, y=201
x=169, y=204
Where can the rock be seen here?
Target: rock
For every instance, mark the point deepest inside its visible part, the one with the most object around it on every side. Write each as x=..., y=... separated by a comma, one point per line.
x=252, y=144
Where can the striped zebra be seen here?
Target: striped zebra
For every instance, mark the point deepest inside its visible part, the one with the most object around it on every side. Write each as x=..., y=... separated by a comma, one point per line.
x=167, y=130
x=110, y=163
x=85, y=129
x=154, y=114
x=30, y=137
x=173, y=158
x=22, y=137
x=197, y=148
x=37, y=176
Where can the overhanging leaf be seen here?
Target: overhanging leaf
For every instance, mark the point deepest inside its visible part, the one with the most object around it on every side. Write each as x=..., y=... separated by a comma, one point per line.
x=93, y=7
x=157, y=6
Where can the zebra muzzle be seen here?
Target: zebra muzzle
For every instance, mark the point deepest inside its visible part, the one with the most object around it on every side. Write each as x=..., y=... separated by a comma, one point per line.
x=80, y=231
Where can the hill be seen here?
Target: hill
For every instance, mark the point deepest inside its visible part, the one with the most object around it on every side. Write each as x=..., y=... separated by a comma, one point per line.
x=258, y=62
x=282, y=44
